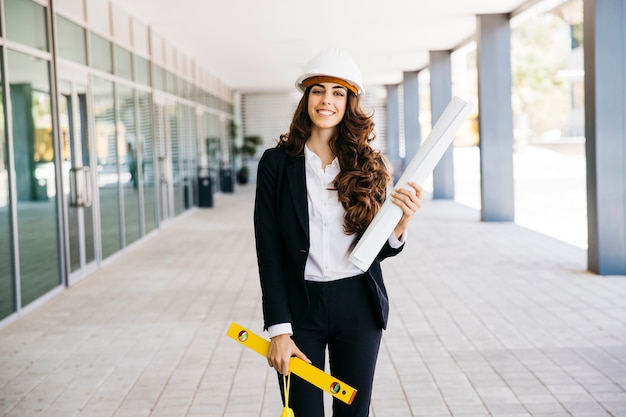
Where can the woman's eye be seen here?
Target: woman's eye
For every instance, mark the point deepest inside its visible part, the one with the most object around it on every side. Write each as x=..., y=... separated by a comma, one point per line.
x=339, y=93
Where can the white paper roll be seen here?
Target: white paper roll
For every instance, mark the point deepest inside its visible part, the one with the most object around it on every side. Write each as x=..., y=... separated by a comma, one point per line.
x=422, y=164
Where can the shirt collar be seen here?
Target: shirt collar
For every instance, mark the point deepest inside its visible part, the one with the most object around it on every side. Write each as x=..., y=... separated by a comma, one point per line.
x=312, y=158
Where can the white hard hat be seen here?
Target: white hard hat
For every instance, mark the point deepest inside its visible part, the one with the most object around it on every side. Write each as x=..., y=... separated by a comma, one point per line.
x=333, y=65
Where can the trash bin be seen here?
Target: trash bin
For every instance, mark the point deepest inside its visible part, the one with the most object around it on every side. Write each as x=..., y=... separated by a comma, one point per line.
x=205, y=192
x=227, y=183
x=186, y=194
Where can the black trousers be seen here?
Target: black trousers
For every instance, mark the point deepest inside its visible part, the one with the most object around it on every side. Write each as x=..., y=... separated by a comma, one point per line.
x=342, y=318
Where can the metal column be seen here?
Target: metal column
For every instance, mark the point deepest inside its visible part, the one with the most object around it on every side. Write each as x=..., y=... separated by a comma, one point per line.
x=393, y=131
x=412, y=132
x=495, y=117
x=605, y=131
x=440, y=96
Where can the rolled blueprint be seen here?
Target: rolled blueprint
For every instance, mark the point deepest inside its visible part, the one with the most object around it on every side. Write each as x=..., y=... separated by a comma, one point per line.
x=422, y=164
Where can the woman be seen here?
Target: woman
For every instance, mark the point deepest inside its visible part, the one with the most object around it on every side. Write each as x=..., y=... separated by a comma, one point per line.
x=317, y=192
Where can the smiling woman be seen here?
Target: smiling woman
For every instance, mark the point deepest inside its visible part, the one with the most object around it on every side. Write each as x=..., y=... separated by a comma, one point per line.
x=317, y=191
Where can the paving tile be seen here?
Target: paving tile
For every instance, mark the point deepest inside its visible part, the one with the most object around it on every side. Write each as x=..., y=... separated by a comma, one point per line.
x=486, y=320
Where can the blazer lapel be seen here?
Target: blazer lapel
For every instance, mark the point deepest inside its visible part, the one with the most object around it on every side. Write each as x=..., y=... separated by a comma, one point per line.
x=294, y=169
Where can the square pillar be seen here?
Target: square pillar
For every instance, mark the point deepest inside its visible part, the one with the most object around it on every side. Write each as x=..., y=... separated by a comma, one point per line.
x=412, y=131
x=495, y=117
x=393, y=131
x=440, y=96
x=605, y=131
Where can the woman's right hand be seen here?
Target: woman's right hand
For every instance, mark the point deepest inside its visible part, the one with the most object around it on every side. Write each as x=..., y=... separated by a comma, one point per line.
x=282, y=348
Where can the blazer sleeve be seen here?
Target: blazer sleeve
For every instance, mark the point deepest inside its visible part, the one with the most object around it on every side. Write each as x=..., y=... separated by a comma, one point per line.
x=387, y=251
x=270, y=246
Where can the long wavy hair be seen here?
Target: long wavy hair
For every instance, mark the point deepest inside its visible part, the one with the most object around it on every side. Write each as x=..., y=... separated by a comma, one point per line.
x=363, y=178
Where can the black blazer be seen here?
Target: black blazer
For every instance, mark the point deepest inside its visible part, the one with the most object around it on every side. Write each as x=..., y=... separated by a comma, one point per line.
x=282, y=241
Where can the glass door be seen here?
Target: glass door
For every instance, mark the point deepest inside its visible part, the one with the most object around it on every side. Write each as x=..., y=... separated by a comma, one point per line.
x=77, y=178
x=164, y=123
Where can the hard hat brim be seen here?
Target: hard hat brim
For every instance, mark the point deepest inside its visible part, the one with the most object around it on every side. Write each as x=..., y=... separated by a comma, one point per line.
x=308, y=82
x=300, y=82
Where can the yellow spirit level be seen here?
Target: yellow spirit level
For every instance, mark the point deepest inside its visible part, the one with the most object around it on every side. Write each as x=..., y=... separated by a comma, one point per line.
x=304, y=370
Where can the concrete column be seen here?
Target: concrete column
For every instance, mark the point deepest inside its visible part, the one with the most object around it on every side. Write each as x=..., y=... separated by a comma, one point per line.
x=493, y=36
x=412, y=131
x=393, y=131
x=605, y=131
x=440, y=96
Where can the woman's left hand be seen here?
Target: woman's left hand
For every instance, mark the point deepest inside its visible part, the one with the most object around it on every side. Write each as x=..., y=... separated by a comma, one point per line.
x=409, y=201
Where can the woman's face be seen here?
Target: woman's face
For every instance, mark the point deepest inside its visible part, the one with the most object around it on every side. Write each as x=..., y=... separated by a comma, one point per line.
x=327, y=104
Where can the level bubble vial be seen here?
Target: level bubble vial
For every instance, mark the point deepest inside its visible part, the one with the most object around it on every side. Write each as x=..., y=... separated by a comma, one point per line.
x=243, y=336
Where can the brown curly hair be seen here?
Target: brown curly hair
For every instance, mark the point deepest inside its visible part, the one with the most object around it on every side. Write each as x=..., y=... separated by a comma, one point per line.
x=363, y=178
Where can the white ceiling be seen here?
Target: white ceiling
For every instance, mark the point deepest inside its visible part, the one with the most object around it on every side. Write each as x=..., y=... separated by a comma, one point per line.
x=262, y=45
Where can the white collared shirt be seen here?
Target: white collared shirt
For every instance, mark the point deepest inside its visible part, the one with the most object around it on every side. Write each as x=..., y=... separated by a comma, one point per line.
x=330, y=247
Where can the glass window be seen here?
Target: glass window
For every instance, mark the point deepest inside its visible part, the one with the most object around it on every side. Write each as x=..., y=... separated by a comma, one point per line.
x=7, y=283
x=26, y=23
x=101, y=57
x=175, y=129
x=142, y=70
x=72, y=43
x=178, y=163
x=171, y=82
x=35, y=177
x=127, y=138
x=184, y=88
x=108, y=174
x=213, y=147
x=194, y=93
x=123, y=63
x=159, y=77
x=147, y=160
x=76, y=157
x=188, y=155
x=67, y=139
x=83, y=98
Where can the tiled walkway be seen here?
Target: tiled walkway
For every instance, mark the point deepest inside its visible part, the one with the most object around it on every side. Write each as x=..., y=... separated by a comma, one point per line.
x=486, y=320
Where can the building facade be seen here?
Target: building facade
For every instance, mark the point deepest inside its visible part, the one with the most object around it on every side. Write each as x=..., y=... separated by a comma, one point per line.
x=105, y=131
x=108, y=131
